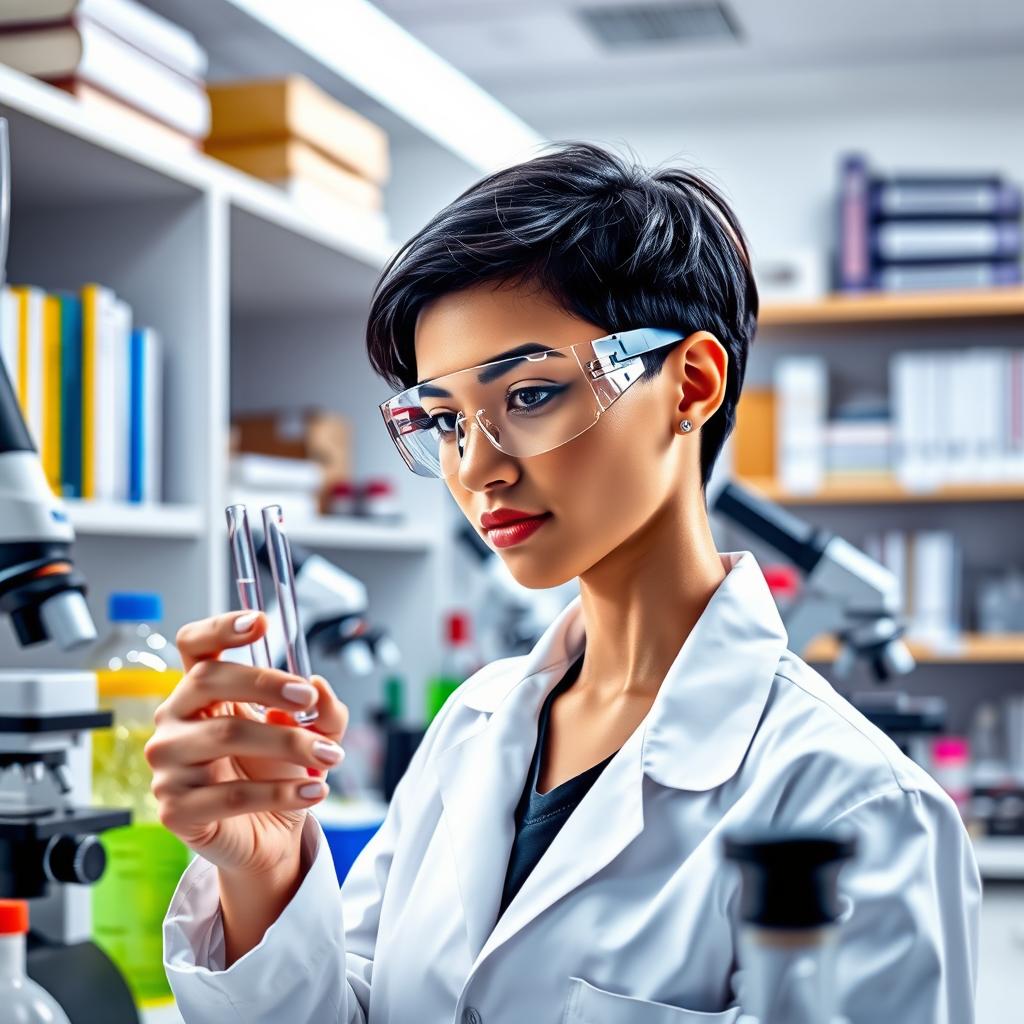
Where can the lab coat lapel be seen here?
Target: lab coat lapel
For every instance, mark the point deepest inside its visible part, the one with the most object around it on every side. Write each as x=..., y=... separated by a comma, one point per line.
x=481, y=777
x=608, y=818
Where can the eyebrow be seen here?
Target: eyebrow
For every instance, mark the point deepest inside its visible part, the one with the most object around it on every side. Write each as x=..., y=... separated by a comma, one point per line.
x=493, y=372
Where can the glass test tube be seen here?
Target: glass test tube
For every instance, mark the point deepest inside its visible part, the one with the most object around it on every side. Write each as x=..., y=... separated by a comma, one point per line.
x=247, y=580
x=281, y=569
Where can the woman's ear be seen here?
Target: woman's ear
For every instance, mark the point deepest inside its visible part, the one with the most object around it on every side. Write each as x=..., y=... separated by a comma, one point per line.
x=698, y=368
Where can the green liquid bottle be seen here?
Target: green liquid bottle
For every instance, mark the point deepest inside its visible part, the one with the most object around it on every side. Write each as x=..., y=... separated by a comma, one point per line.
x=460, y=660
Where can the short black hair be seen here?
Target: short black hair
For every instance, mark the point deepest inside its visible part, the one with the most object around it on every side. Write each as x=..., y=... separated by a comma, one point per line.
x=613, y=242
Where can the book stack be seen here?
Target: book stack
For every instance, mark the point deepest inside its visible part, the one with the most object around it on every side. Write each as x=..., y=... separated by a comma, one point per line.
x=917, y=231
x=89, y=386
x=326, y=157
x=134, y=68
x=958, y=416
x=951, y=418
x=258, y=480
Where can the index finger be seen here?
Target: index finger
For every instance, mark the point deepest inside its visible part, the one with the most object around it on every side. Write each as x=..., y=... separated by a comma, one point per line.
x=204, y=639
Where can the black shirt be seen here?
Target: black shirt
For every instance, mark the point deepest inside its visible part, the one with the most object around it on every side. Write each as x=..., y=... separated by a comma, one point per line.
x=539, y=816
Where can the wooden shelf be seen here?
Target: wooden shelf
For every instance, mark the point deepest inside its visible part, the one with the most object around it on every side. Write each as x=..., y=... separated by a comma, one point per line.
x=121, y=519
x=972, y=648
x=883, y=490
x=869, y=307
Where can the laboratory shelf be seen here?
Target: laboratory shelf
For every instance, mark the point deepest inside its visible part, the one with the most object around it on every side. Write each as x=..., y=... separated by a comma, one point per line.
x=883, y=307
x=124, y=519
x=884, y=490
x=968, y=648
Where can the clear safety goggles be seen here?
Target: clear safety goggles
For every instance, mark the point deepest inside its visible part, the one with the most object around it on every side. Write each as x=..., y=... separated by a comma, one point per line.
x=524, y=405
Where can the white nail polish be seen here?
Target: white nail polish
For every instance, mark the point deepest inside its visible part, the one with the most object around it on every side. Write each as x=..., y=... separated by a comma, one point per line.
x=311, y=790
x=244, y=622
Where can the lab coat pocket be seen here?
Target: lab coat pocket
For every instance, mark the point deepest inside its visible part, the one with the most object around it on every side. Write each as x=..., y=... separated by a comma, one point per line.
x=590, y=1005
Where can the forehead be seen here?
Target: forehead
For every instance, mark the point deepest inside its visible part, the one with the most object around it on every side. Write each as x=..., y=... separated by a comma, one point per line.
x=480, y=323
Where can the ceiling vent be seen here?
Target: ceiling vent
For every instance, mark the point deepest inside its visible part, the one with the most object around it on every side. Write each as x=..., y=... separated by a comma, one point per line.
x=619, y=26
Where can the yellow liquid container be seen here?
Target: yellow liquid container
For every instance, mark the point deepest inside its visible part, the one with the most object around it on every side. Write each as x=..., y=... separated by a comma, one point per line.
x=136, y=668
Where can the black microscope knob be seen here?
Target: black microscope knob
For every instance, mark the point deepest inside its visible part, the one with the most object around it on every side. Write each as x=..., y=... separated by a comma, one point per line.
x=80, y=859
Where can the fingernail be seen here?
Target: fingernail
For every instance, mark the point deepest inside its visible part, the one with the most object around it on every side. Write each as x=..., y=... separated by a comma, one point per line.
x=299, y=693
x=329, y=753
x=244, y=622
x=310, y=790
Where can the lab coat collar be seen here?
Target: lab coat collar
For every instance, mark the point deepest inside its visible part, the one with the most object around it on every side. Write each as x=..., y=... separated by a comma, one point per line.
x=694, y=737
x=707, y=709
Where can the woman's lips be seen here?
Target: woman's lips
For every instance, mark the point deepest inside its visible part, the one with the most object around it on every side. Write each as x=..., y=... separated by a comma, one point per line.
x=517, y=532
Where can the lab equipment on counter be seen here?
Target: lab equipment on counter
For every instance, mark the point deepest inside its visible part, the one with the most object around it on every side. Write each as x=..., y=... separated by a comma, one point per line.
x=789, y=913
x=136, y=669
x=459, y=660
x=21, y=999
x=46, y=838
x=850, y=595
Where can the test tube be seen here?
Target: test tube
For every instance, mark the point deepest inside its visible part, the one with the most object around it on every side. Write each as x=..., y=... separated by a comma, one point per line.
x=280, y=556
x=247, y=580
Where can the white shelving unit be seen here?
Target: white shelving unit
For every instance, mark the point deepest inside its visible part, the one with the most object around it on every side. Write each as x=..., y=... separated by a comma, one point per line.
x=261, y=306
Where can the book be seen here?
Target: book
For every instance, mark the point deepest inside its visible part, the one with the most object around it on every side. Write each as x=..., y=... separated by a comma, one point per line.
x=133, y=22
x=29, y=386
x=904, y=277
x=123, y=118
x=121, y=330
x=50, y=448
x=285, y=159
x=801, y=385
x=145, y=415
x=952, y=240
x=256, y=470
x=71, y=395
x=294, y=108
x=85, y=50
x=929, y=196
x=97, y=391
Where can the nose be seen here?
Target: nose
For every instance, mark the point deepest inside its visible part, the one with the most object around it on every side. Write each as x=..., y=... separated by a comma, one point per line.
x=482, y=463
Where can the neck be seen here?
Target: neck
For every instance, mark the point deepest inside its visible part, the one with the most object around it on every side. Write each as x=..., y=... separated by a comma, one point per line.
x=641, y=601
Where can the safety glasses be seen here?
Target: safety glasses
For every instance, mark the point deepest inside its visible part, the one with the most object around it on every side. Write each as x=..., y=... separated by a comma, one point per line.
x=525, y=404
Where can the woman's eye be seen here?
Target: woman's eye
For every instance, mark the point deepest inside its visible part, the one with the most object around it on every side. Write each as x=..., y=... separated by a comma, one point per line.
x=443, y=421
x=528, y=397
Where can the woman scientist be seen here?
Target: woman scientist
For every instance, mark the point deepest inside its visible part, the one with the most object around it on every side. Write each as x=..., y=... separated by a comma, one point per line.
x=569, y=338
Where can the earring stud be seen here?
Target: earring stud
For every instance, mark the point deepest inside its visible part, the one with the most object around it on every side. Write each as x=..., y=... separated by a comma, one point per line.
x=686, y=426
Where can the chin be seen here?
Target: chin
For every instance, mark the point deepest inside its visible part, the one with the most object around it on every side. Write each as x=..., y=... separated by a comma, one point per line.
x=534, y=573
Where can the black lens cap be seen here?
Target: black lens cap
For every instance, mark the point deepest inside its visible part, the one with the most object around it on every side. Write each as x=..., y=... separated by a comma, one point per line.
x=789, y=878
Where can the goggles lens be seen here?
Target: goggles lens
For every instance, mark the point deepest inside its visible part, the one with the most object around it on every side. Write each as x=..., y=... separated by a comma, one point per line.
x=525, y=405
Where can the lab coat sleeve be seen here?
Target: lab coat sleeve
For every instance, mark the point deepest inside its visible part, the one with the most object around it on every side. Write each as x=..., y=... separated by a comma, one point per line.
x=309, y=968
x=908, y=946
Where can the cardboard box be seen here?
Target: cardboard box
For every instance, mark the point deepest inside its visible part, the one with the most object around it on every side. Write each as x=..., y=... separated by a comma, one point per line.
x=318, y=434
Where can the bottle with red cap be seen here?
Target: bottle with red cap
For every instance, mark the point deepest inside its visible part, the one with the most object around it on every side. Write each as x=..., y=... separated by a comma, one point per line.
x=459, y=661
x=21, y=999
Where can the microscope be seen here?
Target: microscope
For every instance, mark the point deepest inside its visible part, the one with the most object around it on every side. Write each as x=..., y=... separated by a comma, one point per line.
x=789, y=922
x=848, y=594
x=49, y=852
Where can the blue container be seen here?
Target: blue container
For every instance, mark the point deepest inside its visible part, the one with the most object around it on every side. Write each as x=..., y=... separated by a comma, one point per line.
x=349, y=826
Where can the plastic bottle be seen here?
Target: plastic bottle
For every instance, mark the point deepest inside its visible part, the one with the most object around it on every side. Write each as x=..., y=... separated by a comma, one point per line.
x=136, y=668
x=459, y=661
x=21, y=999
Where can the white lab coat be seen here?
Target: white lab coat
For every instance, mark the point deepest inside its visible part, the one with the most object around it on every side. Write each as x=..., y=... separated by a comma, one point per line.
x=630, y=917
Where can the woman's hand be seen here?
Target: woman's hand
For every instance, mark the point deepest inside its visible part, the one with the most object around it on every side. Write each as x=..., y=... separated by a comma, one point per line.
x=232, y=787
